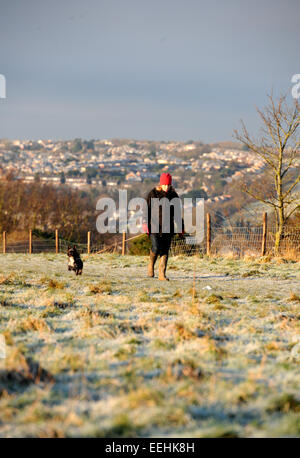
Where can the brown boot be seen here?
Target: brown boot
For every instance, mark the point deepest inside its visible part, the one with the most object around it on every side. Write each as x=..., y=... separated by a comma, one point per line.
x=162, y=268
x=152, y=260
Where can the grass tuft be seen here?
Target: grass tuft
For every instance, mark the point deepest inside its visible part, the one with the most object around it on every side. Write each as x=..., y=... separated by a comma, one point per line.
x=103, y=287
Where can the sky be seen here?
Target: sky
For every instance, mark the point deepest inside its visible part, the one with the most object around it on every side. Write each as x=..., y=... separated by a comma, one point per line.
x=149, y=70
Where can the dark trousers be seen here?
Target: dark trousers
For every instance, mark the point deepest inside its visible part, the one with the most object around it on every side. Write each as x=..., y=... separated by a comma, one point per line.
x=160, y=243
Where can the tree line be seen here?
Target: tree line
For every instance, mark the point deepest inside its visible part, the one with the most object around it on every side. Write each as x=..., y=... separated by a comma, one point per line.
x=44, y=207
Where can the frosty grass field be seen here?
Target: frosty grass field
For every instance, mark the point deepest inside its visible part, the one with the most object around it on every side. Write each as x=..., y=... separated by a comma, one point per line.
x=114, y=353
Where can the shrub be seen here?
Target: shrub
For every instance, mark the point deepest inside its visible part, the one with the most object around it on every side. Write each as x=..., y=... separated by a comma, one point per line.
x=140, y=246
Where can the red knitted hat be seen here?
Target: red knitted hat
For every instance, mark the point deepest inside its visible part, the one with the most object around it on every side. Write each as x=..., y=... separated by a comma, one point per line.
x=165, y=178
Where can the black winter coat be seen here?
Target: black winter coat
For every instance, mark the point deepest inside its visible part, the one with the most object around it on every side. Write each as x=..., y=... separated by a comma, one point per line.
x=159, y=194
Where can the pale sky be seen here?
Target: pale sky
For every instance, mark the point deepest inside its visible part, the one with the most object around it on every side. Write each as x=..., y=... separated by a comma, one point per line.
x=157, y=70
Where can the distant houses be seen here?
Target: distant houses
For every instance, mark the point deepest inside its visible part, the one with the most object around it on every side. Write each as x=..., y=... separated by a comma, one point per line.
x=133, y=177
x=125, y=162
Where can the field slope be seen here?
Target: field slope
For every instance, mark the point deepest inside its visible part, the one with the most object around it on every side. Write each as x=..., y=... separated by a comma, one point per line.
x=114, y=353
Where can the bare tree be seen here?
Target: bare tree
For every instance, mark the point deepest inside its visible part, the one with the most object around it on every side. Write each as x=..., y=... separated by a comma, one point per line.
x=279, y=148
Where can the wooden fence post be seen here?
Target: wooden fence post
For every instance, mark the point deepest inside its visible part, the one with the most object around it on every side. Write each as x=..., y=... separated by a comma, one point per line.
x=123, y=243
x=208, y=234
x=89, y=242
x=56, y=242
x=4, y=241
x=30, y=241
x=264, y=235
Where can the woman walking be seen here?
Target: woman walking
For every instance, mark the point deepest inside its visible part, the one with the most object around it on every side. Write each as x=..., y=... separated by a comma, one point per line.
x=161, y=238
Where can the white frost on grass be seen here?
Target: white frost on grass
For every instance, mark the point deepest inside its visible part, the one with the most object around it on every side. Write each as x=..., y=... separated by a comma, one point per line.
x=132, y=356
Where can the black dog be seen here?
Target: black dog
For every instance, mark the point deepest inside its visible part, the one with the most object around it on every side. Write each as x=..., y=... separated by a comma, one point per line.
x=74, y=261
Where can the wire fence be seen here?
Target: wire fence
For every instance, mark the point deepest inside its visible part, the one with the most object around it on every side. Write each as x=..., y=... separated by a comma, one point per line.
x=39, y=245
x=243, y=241
x=223, y=241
